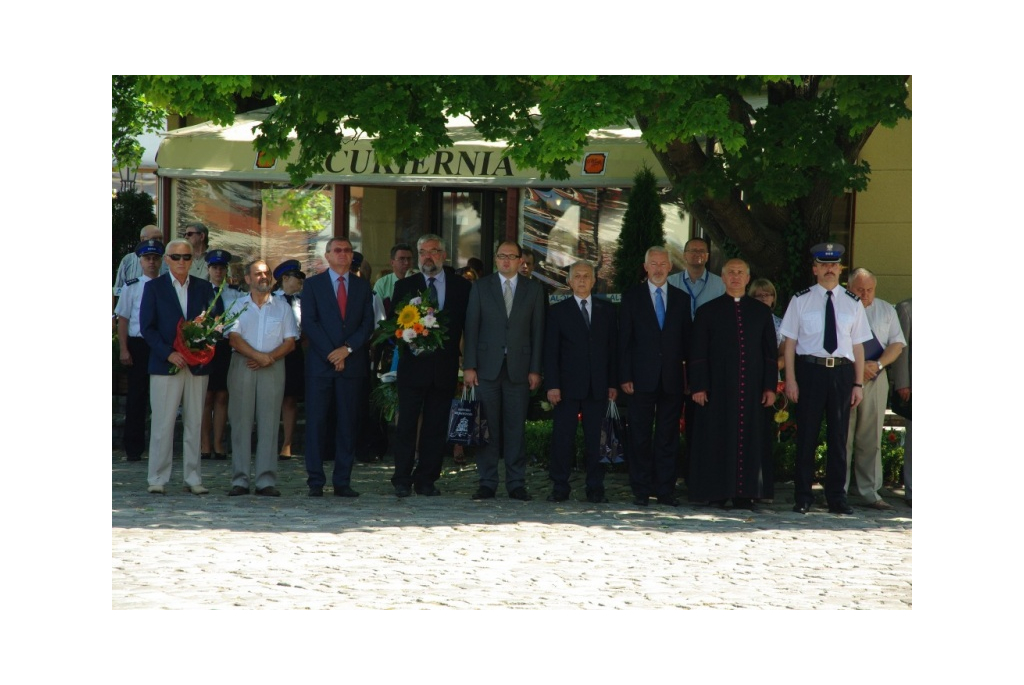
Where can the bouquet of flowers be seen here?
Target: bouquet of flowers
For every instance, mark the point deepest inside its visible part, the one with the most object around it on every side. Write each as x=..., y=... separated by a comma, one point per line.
x=196, y=338
x=415, y=325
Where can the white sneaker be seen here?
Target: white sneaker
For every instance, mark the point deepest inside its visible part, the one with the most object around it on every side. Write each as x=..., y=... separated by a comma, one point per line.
x=156, y=489
x=196, y=489
x=880, y=504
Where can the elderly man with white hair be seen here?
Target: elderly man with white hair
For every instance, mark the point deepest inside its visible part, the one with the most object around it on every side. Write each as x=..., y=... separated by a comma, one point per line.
x=864, y=442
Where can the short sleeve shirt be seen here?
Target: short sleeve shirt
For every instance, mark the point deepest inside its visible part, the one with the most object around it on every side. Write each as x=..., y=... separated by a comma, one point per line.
x=804, y=322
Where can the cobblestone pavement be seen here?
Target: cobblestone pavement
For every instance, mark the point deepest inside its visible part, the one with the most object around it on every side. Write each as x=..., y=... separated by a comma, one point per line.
x=180, y=551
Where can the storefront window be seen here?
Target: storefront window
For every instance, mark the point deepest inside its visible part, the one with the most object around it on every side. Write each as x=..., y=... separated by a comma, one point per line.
x=563, y=225
x=253, y=220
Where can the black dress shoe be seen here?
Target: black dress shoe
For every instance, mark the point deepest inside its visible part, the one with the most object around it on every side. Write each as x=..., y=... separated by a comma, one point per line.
x=237, y=490
x=282, y=457
x=596, y=497
x=558, y=496
x=802, y=507
x=742, y=503
x=402, y=491
x=345, y=492
x=316, y=491
x=520, y=494
x=135, y=458
x=430, y=491
x=269, y=491
x=840, y=508
x=483, y=492
x=220, y=456
x=641, y=501
x=669, y=500
x=205, y=455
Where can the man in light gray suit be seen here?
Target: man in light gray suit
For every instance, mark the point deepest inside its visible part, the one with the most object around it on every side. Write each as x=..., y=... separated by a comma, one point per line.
x=504, y=337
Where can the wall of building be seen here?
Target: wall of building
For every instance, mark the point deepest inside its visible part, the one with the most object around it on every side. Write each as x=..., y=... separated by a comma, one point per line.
x=884, y=213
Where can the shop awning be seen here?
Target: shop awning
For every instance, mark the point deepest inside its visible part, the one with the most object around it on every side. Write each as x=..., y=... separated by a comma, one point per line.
x=612, y=158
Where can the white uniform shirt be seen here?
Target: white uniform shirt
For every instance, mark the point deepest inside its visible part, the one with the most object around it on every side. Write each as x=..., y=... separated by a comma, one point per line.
x=885, y=323
x=129, y=268
x=805, y=322
x=130, y=304
x=266, y=327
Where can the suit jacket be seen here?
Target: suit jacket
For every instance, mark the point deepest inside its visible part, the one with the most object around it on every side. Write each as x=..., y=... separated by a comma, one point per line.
x=160, y=313
x=648, y=354
x=580, y=361
x=327, y=331
x=489, y=331
x=442, y=366
x=901, y=368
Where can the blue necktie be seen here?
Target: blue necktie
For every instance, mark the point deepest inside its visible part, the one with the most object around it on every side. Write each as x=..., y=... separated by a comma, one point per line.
x=659, y=307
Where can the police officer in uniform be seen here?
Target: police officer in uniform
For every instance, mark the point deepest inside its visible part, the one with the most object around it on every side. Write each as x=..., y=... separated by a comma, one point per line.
x=215, y=410
x=134, y=349
x=825, y=329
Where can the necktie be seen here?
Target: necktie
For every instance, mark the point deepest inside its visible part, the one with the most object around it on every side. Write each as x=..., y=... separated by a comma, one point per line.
x=433, y=291
x=508, y=298
x=831, y=341
x=586, y=313
x=342, y=297
x=659, y=307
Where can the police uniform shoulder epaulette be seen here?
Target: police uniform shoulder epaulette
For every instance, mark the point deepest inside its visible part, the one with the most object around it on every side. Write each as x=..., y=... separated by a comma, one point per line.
x=802, y=292
x=131, y=281
x=853, y=296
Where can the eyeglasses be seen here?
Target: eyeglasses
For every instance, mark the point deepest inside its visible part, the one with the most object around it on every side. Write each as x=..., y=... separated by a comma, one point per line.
x=192, y=233
x=507, y=256
x=697, y=251
x=179, y=257
x=431, y=253
x=764, y=296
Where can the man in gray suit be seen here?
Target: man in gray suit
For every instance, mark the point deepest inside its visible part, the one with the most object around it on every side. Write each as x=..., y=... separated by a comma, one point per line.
x=504, y=337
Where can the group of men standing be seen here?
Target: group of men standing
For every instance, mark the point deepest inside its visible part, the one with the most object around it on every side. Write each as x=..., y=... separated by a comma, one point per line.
x=706, y=345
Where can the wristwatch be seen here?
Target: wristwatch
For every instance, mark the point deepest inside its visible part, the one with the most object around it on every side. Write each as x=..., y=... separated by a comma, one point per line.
x=350, y=352
x=880, y=365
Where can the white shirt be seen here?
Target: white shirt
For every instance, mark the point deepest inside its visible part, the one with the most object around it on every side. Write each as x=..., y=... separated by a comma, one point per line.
x=181, y=289
x=805, y=322
x=129, y=268
x=130, y=304
x=266, y=327
x=885, y=323
x=664, y=294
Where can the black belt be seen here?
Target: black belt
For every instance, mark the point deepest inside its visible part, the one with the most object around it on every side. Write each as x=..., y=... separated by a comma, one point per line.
x=825, y=361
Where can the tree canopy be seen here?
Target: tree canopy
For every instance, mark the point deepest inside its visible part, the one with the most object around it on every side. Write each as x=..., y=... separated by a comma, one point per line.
x=757, y=159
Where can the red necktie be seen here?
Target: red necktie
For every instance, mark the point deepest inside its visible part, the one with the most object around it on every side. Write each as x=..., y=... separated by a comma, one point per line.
x=342, y=297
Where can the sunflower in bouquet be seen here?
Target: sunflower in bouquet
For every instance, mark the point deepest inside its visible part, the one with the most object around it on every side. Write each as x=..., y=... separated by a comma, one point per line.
x=416, y=325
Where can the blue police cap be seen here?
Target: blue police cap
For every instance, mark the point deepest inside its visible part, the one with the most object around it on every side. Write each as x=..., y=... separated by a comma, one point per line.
x=828, y=253
x=151, y=246
x=218, y=257
x=292, y=266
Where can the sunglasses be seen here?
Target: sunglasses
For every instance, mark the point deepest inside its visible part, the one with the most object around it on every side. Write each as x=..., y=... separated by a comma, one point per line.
x=179, y=257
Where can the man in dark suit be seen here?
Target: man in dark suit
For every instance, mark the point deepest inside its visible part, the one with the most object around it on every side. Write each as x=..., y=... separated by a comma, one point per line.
x=654, y=334
x=165, y=301
x=579, y=372
x=337, y=318
x=504, y=337
x=426, y=382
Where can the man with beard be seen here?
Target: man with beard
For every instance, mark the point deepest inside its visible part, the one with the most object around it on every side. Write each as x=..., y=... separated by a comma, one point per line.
x=426, y=382
x=263, y=335
x=733, y=375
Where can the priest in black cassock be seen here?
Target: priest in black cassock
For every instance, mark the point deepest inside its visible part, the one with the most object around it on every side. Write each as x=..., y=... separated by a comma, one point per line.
x=733, y=376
